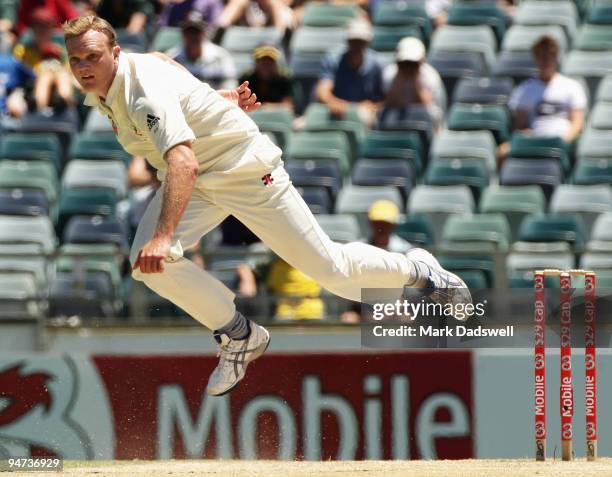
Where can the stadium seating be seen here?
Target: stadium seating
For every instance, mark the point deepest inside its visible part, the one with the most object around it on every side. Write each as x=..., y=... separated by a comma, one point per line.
x=413, y=118
x=592, y=65
x=97, y=122
x=23, y=202
x=454, y=65
x=600, y=116
x=321, y=145
x=593, y=171
x=32, y=147
x=595, y=144
x=405, y=145
x=19, y=296
x=483, y=90
x=385, y=172
x=586, y=201
x=327, y=15
x=475, y=13
x=96, y=230
x=96, y=174
x=484, y=232
x=604, y=91
x=242, y=39
x=340, y=227
x=436, y=203
x=387, y=38
x=515, y=202
x=553, y=228
x=416, y=230
x=316, y=39
x=523, y=37
x=37, y=231
x=547, y=173
x=546, y=12
x=358, y=199
x=85, y=202
x=465, y=145
x=404, y=14
x=476, y=117
x=594, y=38
x=317, y=199
x=276, y=121
x=98, y=146
x=524, y=146
x=471, y=172
x=474, y=39
x=33, y=175
x=518, y=65
x=316, y=173
x=166, y=38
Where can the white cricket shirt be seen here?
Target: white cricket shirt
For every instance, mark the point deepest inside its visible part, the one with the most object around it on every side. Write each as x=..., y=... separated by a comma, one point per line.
x=155, y=105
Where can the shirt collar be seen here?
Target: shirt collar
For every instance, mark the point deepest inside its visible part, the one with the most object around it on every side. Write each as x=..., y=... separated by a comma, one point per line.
x=92, y=99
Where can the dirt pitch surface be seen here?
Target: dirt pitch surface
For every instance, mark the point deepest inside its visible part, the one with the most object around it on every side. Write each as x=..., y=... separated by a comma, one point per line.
x=436, y=468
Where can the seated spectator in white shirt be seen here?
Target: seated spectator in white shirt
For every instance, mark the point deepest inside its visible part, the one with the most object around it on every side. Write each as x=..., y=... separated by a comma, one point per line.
x=205, y=60
x=410, y=80
x=552, y=104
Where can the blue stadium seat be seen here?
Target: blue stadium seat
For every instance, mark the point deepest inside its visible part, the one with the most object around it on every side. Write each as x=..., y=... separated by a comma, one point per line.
x=23, y=202
x=385, y=172
x=96, y=229
x=317, y=198
x=483, y=90
x=546, y=173
x=316, y=173
x=553, y=228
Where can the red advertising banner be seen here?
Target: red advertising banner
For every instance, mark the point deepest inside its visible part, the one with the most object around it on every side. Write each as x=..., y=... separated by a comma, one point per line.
x=391, y=405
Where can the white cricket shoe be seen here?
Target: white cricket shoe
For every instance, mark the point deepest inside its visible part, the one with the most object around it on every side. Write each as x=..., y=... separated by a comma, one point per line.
x=442, y=286
x=234, y=357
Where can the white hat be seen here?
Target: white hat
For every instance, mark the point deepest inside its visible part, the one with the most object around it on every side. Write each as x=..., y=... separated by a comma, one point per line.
x=359, y=30
x=410, y=49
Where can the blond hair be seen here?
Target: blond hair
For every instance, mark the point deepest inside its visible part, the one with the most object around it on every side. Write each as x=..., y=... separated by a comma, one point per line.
x=78, y=26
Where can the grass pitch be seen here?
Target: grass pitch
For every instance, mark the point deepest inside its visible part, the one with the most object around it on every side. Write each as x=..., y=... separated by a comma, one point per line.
x=237, y=468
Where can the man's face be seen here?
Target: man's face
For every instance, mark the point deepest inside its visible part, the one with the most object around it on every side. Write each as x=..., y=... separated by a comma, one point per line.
x=357, y=47
x=266, y=67
x=546, y=59
x=92, y=61
x=408, y=69
x=193, y=37
x=43, y=33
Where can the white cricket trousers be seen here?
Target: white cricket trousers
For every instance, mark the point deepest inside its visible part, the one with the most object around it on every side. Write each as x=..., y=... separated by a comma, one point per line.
x=278, y=215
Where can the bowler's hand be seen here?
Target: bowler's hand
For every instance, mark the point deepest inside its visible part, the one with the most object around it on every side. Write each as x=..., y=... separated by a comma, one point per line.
x=247, y=100
x=153, y=255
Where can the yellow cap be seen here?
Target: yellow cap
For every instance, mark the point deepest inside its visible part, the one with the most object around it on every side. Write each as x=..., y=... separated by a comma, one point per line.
x=384, y=211
x=266, y=51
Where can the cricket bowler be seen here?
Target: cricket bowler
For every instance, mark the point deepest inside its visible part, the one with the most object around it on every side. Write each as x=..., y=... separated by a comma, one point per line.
x=213, y=162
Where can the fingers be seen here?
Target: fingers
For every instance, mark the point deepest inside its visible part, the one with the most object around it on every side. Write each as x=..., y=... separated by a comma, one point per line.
x=149, y=264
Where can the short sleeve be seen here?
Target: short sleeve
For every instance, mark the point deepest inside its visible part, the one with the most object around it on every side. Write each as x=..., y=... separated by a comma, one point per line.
x=578, y=98
x=162, y=120
x=517, y=98
x=329, y=66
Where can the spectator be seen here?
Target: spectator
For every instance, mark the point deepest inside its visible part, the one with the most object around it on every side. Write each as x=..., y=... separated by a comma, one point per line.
x=257, y=13
x=437, y=11
x=410, y=80
x=550, y=105
x=352, y=77
x=15, y=77
x=297, y=295
x=383, y=217
x=205, y=60
x=53, y=84
x=268, y=80
x=130, y=15
x=59, y=11
x=175, y=11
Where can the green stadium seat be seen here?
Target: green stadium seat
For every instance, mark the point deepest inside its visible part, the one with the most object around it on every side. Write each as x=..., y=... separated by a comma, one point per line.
x=275, y=121
x=600, y=117
x=528, y=257
x=328, y=15
x=474, y=279
x=471, y=172
x=36, y=147
x=556, y=12
x=523, y=146
x=595, y=144
x=31, y=175
x=318, y=117
x=316, y=39
x=405, y=145
x=469, y=14
x=592, y=65
x=387, y=38
x=604, y=90
x=461, y=264
x=358, y=199
x=98, y=146
x=594, y=38
x=523, y=37
x=166, y=38
x=416, y=230
x=76, y=265
x=592, y=171
x=476, y=39
x=37, y=266
x=396, y=14
x=85, y=202
x=243, y=39
x=553, y=228
x=487, y=231
x=436, y=203
x=19, y=296
x=600, y=14
x=37, y=231
x=465, y=145
x=321, y=145
x=587, y=201
x=111, y=175
x=515, y=202
x=475, y=117
x=342, y=228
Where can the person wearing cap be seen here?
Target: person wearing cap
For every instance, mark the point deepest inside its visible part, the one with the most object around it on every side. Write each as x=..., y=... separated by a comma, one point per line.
x=354, y=77
x=268, y=80
x=411, y=80
x=383, y=217
x=53, y=84
x=204, y=60
x=214, y=162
